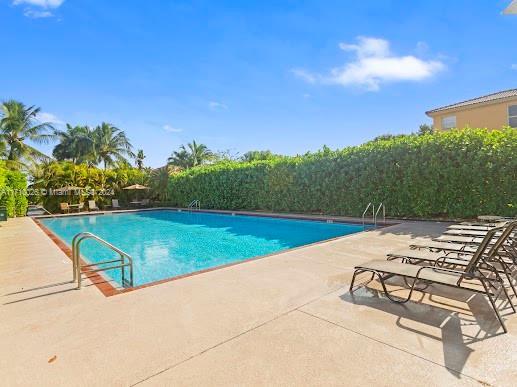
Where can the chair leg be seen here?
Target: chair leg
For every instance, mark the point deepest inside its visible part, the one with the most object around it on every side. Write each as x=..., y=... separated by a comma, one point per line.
x=353, y=280
x=507, y=297
x=381, y=279
x=508, y=274
x=489, y=295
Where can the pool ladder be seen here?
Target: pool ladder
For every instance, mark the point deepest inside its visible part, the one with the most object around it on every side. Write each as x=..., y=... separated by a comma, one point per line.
x=194, y=205
x=38, y=207
x=375, y=214
x=124, y=261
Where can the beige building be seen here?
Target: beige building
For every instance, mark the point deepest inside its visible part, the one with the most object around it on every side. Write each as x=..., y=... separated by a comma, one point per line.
x=491, y=111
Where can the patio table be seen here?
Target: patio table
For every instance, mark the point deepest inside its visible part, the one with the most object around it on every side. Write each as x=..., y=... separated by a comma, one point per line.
x=75, y=206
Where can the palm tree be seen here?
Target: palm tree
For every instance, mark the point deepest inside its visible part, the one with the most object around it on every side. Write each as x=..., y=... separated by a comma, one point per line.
x=180, y=158
x=111, y=144
x=76, y=144
x=3, y=148
x=159, y=182
x=19, y=124
x=199, y=153
x=140, y=159
x=192, y=155
x=258, y=155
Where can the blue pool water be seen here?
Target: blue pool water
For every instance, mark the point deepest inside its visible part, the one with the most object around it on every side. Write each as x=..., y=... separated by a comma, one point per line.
x=168, y=243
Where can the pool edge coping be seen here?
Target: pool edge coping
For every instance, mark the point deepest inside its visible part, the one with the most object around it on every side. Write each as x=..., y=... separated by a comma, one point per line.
x=107, y=289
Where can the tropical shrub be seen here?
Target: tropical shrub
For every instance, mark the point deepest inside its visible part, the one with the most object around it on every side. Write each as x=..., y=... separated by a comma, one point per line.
x=98, y=184
x=12, y=192
x=458, y=173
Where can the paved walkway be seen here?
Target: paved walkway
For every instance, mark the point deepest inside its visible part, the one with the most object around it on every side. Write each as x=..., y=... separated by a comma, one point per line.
x=284, y=320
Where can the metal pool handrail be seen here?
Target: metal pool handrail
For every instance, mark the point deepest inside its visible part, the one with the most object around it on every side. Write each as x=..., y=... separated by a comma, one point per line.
x=383, y=213
x=194, y=204
x=366, y=210
x=76, y=255
x=38, y=207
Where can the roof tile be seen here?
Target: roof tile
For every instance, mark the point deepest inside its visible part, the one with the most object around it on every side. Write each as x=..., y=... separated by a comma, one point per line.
x=485, y=98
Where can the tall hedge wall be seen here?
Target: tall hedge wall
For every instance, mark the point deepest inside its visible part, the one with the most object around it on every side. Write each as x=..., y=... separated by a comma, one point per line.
x=18, y=182
x=3, y=185
x=12, y=192
x=459, y=173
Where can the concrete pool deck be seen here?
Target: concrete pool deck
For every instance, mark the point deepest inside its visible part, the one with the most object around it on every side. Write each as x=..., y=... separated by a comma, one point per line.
x=286, y=319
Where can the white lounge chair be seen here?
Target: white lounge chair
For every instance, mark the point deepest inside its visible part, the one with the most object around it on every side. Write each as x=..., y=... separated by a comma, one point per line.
x=92, y=206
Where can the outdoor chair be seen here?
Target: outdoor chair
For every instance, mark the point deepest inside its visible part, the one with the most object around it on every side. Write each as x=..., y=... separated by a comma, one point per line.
x=80, y=207
x=475, y=228
x=502, y=256
x=114, y=204
x=92, y=206
x=471, y=233
x=145, y=202
x=472, y=240
x=477, y=269
x=65, y=209
x=445, y=246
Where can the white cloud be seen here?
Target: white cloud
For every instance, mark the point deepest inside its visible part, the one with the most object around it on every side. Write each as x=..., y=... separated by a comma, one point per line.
x=171, y=129
x=40, y=3
x=49, y=117
x=514, y=66
x=214, y=105
x=305, y=75
x=374, y=64
x=33, y=14
x=37, y=9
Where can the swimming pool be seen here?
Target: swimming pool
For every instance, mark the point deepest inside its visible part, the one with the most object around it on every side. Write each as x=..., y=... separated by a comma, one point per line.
x=169, y=243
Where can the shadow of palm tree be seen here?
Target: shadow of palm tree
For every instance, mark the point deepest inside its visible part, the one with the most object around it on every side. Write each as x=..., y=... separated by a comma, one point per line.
x=416, y=229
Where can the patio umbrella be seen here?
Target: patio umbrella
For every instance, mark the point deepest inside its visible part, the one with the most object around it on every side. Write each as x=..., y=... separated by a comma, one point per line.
x=136, y=187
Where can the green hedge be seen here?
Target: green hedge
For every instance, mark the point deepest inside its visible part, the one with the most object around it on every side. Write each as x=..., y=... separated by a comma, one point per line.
x=459, y=173
x=12, y=192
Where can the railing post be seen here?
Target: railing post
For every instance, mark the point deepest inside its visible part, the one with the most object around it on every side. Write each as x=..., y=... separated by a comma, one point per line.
x=123, y=276
x=76, y=255
x=381, y=205
x=78, y=264
x=131, y=273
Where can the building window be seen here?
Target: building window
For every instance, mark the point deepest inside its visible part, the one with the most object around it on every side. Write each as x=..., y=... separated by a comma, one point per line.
x=512, y=116
x=449, y=122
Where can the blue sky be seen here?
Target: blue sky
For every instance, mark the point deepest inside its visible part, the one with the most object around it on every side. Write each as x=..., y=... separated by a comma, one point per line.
x=286, y=76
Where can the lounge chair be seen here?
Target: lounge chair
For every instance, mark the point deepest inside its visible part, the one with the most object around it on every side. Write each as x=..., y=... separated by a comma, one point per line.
x=472, y=233
x=444, y=246
x=476, y=228
x=437, y=246
x=471, y=240
x=501, y=255
x=475, y=270
x=92, y=206
x=114, y=204
x=65, y=209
